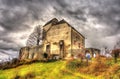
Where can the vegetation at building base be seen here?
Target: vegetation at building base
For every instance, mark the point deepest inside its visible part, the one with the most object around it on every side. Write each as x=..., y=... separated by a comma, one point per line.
x=97, y=68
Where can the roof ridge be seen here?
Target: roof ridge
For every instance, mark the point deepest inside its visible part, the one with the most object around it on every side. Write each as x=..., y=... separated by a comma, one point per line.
x=54, y=20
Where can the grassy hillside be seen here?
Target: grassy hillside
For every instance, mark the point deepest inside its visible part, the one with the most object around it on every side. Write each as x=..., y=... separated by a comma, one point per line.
x=39, y=70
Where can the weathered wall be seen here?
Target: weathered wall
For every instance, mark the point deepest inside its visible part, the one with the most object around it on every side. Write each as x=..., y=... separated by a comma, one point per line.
x=31, y=53
x=78, y=43
x=55, y=34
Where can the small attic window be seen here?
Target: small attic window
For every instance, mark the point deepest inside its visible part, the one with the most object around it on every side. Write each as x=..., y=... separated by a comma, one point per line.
x=55, y=20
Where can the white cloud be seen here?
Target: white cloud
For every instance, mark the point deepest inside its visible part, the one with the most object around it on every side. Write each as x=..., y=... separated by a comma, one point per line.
x=1, y=29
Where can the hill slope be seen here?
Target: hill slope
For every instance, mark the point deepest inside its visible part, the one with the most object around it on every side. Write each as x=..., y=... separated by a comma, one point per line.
x=39, y=70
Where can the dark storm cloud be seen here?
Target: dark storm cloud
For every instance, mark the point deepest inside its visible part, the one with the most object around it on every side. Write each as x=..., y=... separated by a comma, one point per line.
x=17, y=12
x=17, y=15
x=105, y=13
x=98, y=20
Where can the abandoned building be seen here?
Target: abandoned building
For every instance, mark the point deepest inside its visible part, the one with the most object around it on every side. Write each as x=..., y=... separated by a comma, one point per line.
x=60, y=39
x=93, y=51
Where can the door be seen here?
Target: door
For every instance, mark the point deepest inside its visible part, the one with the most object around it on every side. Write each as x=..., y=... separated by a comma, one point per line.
x=61, y=45
x=48, y=49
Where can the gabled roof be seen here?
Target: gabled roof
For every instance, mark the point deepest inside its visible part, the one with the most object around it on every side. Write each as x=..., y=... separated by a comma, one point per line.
x=54, y=21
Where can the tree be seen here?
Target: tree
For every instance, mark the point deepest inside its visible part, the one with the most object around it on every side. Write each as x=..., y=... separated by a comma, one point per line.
x=116, y=51
x=35, y=37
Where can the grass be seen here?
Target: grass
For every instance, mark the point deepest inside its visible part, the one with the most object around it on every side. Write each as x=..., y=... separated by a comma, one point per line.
x=47, y=70
x=50, y=70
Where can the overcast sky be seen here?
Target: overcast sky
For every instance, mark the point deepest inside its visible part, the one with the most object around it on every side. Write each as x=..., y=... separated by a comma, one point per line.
x=97, y=20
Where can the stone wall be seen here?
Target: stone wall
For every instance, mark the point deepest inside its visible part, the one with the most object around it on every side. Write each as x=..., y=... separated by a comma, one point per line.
x=78, y=43
x=31, y=53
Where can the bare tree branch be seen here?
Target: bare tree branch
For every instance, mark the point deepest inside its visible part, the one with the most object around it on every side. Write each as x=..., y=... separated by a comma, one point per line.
x=35, y=37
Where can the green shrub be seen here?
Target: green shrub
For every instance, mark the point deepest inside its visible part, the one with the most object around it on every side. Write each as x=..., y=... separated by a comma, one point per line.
x=29, y=75
x=109, y=63
x=17, y=77
x=73, y=64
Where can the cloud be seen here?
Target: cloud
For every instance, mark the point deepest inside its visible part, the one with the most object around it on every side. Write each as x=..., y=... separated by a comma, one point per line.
x=97, y=20
x=7, y=55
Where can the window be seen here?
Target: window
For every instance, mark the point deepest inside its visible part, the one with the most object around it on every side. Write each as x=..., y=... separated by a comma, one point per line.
x=48, y=48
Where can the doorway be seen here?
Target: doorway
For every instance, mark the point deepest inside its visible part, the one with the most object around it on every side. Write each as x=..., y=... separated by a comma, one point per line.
x=48, y=49
x=61, y=45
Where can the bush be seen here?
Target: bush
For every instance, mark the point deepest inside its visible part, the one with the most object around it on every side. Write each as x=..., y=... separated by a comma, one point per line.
x=74, y=64
x=103, y=67
x=29, y=75
x=97, y=67
x=113, y=71
x=17, y=77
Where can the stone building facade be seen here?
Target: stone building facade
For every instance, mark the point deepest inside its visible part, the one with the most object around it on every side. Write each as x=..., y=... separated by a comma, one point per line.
x=59, y=39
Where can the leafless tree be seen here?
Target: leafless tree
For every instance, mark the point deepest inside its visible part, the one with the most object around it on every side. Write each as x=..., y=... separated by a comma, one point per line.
x=35, y=37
